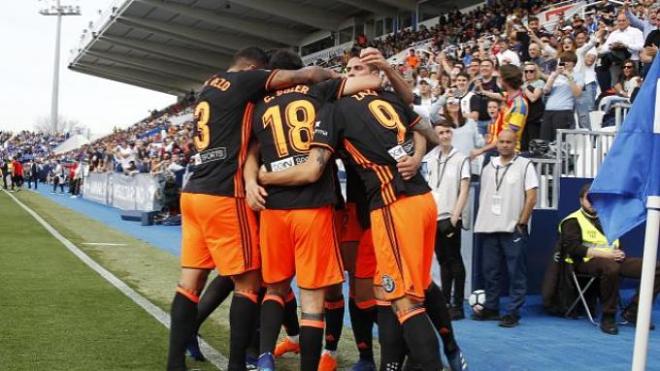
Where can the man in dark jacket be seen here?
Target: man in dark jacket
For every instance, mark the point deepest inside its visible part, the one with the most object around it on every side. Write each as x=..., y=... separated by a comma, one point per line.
x=586, y=246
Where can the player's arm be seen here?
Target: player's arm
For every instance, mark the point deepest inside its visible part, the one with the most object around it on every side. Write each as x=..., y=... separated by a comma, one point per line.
x=359, y=83
x=308, y=75
x=423, y=126
x=374, y=57
x=254, y=193
x=308, y=172
x=409, y=165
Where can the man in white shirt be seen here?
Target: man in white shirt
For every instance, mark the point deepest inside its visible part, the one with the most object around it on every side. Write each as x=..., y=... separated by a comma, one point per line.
x=506, y=56
x=623, y=38
x=506, y=201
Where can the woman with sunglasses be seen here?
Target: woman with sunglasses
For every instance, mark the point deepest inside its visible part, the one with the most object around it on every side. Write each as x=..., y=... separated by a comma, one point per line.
x=624, y=88
x=533, y=91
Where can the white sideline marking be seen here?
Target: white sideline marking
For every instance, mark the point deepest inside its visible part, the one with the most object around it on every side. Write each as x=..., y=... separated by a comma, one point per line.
x=212, y=355
x=103, y=244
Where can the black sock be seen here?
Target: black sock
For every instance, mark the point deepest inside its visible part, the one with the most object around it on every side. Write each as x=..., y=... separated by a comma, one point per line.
x=362, y=320
x=311, y=340
x=390, y=337
x=213, y=296
x=334, y=323
x=183, y=315
x=421, y=340
x=255, y=341
x=242, y=315
x=290, y=322
x=272, y=312
x=436, y=309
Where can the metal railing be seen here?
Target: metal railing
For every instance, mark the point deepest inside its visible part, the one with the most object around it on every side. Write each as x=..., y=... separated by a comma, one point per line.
x=620, y=112
x=548, y=171
x=581, y=152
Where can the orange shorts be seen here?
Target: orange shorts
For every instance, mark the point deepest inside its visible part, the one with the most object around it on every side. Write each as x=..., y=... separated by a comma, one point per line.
x=351, y=230
x=365, y=262
x=404, y=239
x=218, y=232
x=300, y=242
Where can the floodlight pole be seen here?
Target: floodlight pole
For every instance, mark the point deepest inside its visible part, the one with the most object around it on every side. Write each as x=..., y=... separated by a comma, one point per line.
x=58, y=11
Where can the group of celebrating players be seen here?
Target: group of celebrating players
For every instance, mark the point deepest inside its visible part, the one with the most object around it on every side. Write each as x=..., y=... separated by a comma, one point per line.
x=264, y=205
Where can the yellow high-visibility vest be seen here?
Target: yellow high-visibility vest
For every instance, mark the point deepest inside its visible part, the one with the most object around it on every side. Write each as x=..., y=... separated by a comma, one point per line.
x=591, y=236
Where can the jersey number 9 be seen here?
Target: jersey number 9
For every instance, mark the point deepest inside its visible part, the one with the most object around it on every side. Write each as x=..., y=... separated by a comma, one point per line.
x=388, y=117
x=299, y=116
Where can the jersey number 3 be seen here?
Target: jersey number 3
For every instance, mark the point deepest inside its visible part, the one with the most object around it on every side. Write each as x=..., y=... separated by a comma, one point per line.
x=388, y=117
x=299, y=116
x=203, y=136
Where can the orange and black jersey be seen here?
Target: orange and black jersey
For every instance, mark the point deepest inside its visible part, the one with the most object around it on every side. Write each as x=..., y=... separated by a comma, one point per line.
x=222, y=131
x=374, y=129
x=283, y=123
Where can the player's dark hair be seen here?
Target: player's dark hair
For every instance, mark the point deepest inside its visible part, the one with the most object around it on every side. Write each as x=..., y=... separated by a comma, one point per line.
x=584, y=189
x=284, y=59
x=511, y=75
x=253, y=55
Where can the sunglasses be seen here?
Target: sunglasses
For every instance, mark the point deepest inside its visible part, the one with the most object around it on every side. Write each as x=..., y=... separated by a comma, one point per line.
x=627, y=67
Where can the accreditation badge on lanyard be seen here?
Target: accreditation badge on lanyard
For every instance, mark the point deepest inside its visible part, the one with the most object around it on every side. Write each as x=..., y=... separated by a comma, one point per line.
x=496, y=202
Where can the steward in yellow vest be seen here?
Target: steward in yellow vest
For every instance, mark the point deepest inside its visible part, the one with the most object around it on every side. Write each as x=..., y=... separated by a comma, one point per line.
x=586, y=247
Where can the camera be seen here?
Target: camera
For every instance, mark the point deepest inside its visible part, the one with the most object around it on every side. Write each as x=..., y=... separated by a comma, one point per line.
x=561, y=64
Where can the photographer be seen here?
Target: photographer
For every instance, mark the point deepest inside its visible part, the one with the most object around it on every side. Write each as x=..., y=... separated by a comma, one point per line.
x=562, y=88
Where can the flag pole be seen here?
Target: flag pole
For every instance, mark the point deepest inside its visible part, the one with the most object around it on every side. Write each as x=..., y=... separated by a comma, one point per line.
x=649, y=262
x=646, y=288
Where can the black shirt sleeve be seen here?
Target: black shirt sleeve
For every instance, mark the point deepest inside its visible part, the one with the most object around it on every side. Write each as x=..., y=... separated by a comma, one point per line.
x=329, y=90
x=571, y=239
x=255, y=83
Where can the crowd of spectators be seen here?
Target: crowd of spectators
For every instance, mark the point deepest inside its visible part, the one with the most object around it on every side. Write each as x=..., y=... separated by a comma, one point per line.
x=574, y=66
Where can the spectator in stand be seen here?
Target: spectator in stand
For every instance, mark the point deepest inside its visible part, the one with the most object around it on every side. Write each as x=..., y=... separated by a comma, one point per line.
x=485, y=88
x=623, y=43
x=506, y=56
x=624, y=88
x=586, y=63
x=466, y=136
x=651, y=44
x=562, y=88
x=535, y=56
x=533, y=92
x=425, y=94
x=412, y=61
x=645, y=25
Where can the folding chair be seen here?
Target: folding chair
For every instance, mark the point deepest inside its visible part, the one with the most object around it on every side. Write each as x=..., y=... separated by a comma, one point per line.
x=581, y=291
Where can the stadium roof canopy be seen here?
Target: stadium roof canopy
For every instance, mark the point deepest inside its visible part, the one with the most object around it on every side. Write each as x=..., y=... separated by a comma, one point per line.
x=172, y=46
